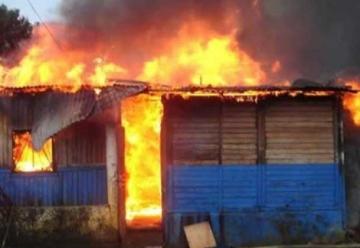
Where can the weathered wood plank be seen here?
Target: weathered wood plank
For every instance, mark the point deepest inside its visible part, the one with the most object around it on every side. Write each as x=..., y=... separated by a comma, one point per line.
x=244, y=146
x=322, y=114
x=239, y=135
x=300, y=150
x=240, y=162
x=80, y=144
x=189, y=161
x=237, y=131
x=299, y=134
x=299, y=130
x=248, y=125
x=299, y=119
x=300, y=146
x=299, y=124
x=239, y=157
x=299, y=160
x=196, y=136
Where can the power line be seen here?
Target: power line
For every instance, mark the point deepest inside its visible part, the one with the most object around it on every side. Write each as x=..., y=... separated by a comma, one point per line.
x=44, y=24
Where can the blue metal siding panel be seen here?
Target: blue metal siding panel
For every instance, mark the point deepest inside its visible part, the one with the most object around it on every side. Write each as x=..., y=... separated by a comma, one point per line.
x=239, y=187
x=261, y=202
x=274, y=227
x=195, y=189
x=35, y=189
x=300, y=186
x=212, y=188
x=84, y=186
x=70, y=186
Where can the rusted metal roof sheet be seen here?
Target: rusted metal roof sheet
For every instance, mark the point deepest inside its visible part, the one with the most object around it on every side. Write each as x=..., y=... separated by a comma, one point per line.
x=298, y=85
x=110, y=96
x=220, y=90
x=54, y=111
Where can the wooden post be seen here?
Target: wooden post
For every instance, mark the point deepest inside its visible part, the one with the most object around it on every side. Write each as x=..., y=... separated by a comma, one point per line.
x=112, y=171
x=340, y=130
x=120, y=140
x=261, y=135
x=220, y=118
x=166, y=158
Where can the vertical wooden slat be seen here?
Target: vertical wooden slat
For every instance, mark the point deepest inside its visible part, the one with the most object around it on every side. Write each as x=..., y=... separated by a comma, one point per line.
x=301, y=131
x=122, y=185
x=195, y=130
x=238, y=133
x=80, y=144
x=220, y=119
x=5, y=142
x=335, y=109
x=165, y=157
x=261, y=139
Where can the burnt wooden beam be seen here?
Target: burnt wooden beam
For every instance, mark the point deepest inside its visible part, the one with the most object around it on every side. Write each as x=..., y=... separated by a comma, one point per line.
x=261, y=136
x=220, y=132
x=165, y=161
x=120, y=139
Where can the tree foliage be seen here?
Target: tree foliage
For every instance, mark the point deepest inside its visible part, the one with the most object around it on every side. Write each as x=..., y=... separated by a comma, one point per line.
x=13, y=29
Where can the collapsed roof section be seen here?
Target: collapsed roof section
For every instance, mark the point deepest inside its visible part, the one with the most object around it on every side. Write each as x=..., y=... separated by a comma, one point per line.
x=53, y=109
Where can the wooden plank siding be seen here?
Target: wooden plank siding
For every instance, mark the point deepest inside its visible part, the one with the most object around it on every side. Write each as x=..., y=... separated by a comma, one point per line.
x=239, y=134
x=5, y=142
x=195, y=132
x=81, y=144
x=213, y=132
x=299, y=132
x=21, y=114
x=276, y=131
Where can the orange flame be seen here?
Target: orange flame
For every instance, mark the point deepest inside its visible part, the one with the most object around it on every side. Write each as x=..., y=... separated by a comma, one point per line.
x=27, y=159
x=46, y=64
x=141, y=117
x=197, y=55
x=352, y=101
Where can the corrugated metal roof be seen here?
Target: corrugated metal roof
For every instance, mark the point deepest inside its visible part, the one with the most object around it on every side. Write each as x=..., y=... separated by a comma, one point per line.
x=110, y=96
x=53, y=112
x=70, y=89
x=56, y=110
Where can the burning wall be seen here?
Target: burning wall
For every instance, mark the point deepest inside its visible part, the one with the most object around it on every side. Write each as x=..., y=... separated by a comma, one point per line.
x=251, y=162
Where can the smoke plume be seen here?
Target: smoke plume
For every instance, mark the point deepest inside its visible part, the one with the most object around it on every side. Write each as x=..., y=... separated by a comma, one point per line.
x=311, y=39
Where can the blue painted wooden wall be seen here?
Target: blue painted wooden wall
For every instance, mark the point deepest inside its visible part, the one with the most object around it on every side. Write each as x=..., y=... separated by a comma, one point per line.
x=255, y=204
x=67, y=186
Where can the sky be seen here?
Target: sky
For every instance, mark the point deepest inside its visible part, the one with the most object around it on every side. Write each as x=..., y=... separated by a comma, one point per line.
x=45, y=8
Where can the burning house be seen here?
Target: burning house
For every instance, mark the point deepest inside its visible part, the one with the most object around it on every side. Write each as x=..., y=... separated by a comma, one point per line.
x=262, y=168
x=217, y=134
x=59, y=157
x=261, y=165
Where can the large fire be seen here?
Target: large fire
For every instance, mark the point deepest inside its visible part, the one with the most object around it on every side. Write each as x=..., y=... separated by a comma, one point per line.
x=141, y=117
x=43, y=63
x=197, y=55
x=26, y=158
